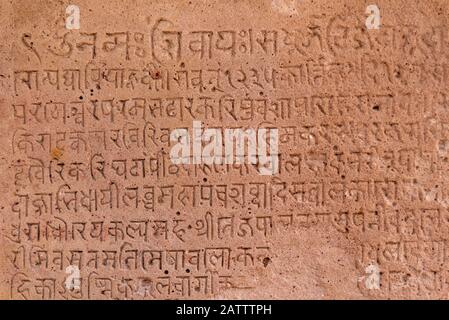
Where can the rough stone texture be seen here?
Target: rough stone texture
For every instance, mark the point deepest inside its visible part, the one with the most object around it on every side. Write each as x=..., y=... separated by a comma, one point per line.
x=87, y=181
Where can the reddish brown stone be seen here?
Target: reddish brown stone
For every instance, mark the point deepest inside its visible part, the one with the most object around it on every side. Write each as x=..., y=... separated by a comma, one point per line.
x=358, y=209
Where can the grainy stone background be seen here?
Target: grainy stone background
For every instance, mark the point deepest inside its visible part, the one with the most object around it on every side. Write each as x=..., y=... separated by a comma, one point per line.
x=358, y=209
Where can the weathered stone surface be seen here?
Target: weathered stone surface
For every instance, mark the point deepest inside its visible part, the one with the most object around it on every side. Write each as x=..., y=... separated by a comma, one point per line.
x=357, y=208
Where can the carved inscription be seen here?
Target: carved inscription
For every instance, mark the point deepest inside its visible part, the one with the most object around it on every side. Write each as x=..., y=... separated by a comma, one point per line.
x=94, y=207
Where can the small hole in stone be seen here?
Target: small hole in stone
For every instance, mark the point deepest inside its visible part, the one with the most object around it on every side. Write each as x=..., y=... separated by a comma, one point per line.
x=266, y=261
